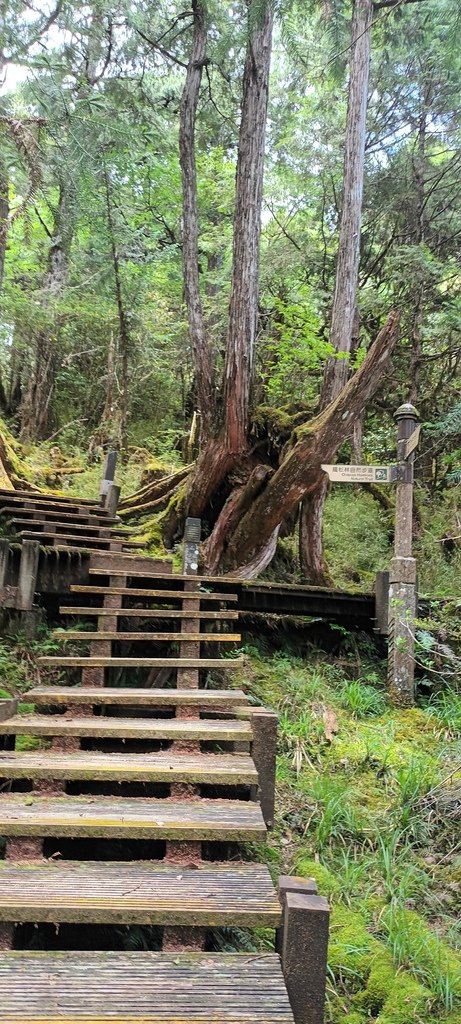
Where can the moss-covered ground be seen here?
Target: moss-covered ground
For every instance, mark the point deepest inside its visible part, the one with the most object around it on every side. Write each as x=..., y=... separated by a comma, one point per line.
x=369, y=802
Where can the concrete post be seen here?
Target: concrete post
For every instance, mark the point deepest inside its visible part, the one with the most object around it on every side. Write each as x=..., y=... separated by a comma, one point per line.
x=402, y=572
x=107, y=476
x=28, y=568
x=192, y=531
x=112, y=499
x=304, y=955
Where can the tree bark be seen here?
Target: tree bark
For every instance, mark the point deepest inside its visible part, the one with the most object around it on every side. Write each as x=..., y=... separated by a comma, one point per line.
x=36, y=404
x=243, y=307
x=223, y=452
x=202, y=353
x=343, y=313
x=123, y=328
x=300, y=472
x=4, y=213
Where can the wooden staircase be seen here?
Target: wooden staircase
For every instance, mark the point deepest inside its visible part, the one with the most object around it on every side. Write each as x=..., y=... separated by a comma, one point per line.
x=61, y=522
x=133, y=811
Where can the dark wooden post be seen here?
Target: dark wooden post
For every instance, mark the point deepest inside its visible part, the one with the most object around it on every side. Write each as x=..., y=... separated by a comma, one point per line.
x=112, y=499
x=263, y=751
x=107, y=476
x=304, y=955
x=292, y=883
x=28, y=568
x=402, y=573
x=4, y=557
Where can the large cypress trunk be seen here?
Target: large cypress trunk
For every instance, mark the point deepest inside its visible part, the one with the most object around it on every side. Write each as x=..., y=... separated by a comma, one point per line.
x=224, y=452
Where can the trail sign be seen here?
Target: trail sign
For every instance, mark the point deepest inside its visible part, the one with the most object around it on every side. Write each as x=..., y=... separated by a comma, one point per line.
x=412, y=442
x=360, y=474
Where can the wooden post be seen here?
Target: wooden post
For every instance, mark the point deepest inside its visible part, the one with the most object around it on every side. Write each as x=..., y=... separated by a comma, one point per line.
x=112, y=499
x=4, y=558
x=402, y=573
x=108, y=476
x=292, y=883
x=28, y=568
x=263, y=751
x=304, y=955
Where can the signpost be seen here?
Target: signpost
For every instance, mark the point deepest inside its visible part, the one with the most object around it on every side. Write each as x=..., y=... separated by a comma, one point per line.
x=402, y=574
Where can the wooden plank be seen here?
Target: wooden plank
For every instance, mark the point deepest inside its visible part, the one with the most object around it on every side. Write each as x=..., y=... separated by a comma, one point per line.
x=143, y=988
x=126, y=695
x=147, y=613
x=128, y=728
x=215, y=769
x=75, y=662
x=65, y=499
x=213, y=895
x=77, y=517
x=66, y=537
x=171, y=595
x=113, y=531
x=177, y=577
x=131, y=818
x=82, y=634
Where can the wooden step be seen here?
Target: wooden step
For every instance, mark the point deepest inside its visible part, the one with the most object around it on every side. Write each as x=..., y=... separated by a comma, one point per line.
x=204, y=663
x=181, y=638
x=126, y=695
x=128, y=728
x=64, y=499
x=113, y=531
x=197, y=769
x=142, y=988
x=143, y=893
x=177, y=577
x=148, y=613
x=78, y=517
x=130, y=818
x=43, y=505
x=67, y=538
x=167, y=595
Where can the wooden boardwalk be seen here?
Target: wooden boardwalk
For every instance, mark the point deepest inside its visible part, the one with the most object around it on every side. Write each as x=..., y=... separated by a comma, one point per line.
x=136, y=754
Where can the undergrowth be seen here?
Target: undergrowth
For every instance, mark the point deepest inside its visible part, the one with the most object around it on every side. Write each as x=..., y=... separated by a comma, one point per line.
x=369, y=804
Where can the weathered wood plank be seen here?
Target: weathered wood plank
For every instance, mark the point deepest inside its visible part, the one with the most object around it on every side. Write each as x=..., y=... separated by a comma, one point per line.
x=214, y=895
x=82, y=634
x=128, y=695
x=129, y=818
x=215, y=769
x=128, y=728
x=173, y=595
x=147, y=613
x=72, y=662
x=143, y=988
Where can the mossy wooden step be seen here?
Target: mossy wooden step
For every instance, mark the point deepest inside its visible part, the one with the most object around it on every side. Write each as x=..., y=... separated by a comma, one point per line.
x=7, y=511
x=125, y=637
x=75, y=662
x=63, y=499
x=166, y=595
x=199, y=769
x=75, y=540
x=148, y=613
x=175, y=577
x=84, y=527
x=142, y=988
x=131, y=818
x=214, y=895
x=128, y=728
x=132, y=696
